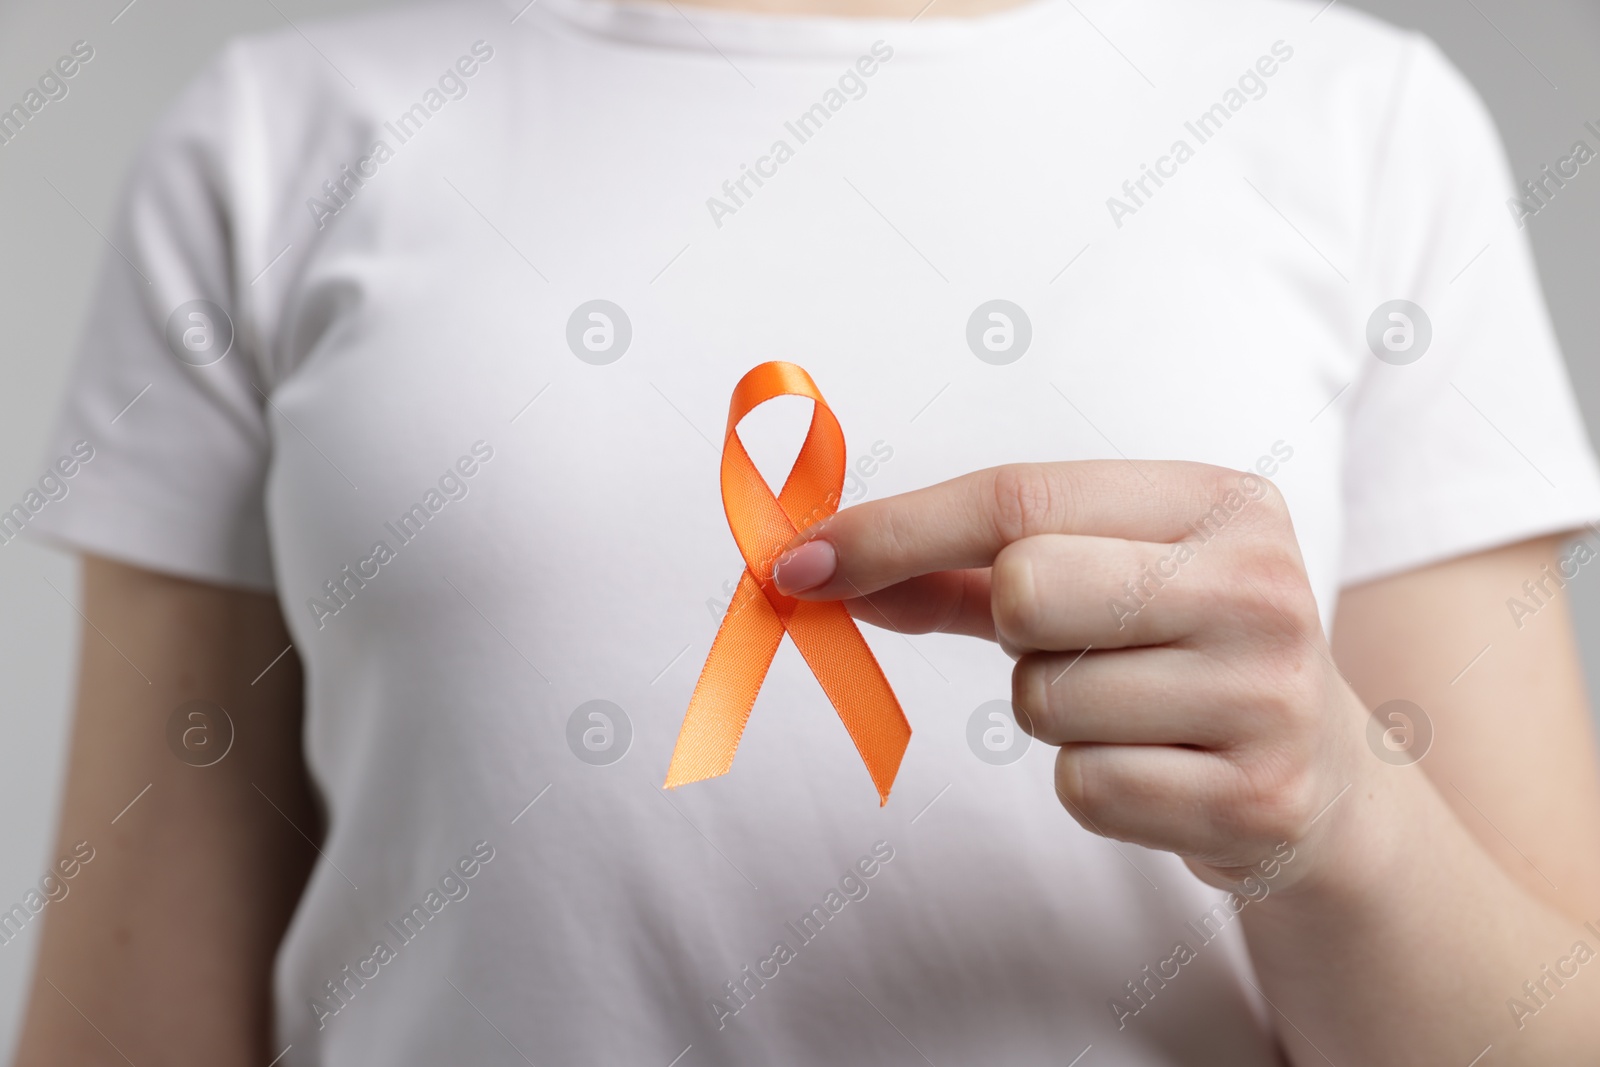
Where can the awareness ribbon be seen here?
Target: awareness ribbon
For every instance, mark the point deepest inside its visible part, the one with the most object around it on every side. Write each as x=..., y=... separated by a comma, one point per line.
x=759, y=615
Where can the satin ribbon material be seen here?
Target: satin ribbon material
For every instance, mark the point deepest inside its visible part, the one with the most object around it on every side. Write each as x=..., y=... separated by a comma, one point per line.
x=759, y=615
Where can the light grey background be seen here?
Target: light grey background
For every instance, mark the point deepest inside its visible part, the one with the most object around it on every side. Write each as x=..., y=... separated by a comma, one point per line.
x=1534, y=63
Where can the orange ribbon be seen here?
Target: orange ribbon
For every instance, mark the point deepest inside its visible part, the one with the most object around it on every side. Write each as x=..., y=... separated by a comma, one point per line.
x=758, y=616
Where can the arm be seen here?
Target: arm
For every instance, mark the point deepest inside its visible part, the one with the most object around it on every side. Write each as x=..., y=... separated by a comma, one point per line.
x=162, y=950
x=1198, y=709
x=1470, y=871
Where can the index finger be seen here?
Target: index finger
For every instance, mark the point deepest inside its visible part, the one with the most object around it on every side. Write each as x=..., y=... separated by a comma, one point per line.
x=966, y=521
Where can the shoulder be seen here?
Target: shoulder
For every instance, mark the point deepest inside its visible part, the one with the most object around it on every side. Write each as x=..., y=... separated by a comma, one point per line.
x=354, y=56
x=1353, y=109
x=1347, y=70
x=271, y=111
x=311, y=77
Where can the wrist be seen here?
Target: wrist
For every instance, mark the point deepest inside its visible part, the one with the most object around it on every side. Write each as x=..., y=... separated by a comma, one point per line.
x=1362, y=846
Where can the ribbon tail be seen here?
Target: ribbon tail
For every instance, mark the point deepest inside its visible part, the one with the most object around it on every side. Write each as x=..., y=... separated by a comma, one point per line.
x=838, y=655
x=729, y=683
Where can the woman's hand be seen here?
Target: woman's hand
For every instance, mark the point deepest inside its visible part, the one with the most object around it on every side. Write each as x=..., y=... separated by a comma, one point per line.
x=1167, y=639
x=1165, y=634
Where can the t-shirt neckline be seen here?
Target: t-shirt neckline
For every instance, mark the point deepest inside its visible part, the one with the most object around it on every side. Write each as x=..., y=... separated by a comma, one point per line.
x=660, y=24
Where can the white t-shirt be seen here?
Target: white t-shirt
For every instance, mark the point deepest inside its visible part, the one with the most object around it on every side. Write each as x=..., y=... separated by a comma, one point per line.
x=416, y=362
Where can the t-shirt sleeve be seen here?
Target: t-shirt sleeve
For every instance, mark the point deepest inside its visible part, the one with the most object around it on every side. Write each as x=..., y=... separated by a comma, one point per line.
x=162, y=424
x=1464, y=433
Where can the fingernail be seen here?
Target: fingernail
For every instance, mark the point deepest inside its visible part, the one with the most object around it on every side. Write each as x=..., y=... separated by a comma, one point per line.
x=806, y=567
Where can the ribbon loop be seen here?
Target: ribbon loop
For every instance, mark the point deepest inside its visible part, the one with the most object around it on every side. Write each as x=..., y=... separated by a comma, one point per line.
x=759, y=615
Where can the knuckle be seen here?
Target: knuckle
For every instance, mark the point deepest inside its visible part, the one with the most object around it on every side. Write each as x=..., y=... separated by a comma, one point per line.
x=895, y=540
x=1242, y=498
x=1261, y=490
x=1272, y=498
x=1099, y=799
x=1071, y=784
x=1278, y=801
x=1025, y=500
x=1218, y=481
x=1013, y=593
x=1030, y=699
x=1276, y=597
x=1211, y=484
x=1283, y=705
